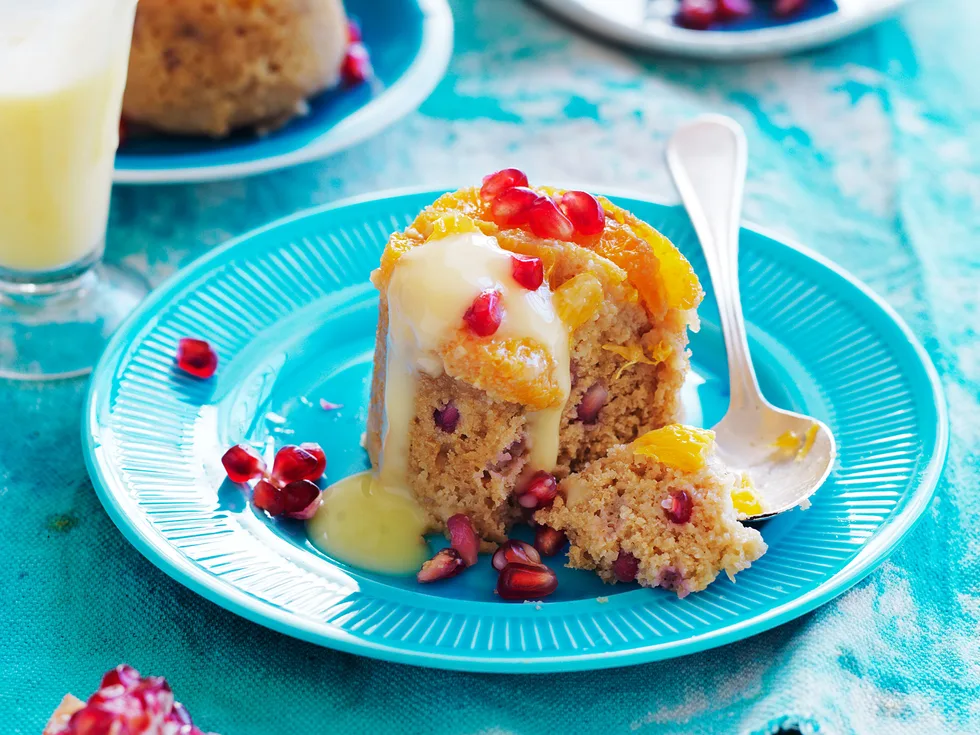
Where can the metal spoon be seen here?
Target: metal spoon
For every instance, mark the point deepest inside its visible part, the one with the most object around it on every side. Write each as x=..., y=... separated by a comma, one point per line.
x=707, y=159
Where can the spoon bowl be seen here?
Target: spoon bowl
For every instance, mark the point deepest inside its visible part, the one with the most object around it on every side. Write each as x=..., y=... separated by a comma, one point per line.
x=787, y=455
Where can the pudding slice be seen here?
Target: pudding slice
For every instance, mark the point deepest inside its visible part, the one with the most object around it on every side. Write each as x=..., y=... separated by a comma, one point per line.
x=660, y=511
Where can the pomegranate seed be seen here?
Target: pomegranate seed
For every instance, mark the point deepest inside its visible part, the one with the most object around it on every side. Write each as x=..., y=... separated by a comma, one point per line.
x=300, y=499
x=526, y=581
x=734, y=9
x=464, y=538
x=321, y=460
x=485, y=314
x=91, y=721
x=584, y=211
x=512, y=207
x=446, y=418
x=785, y=8
x=267, y=497
x=356, y=66
x=294, y=463
x=540, y=491
x=122, y=676
x=670, y=578
x=678, y=507
x=242, y=463
x=354, y=31
x=328, y=406
x=548, y=540
x=626, y=566
x=180, y=715
x=546, y=220
x=592, y=402
x=195, y=357
x=527, y=271
x=445, y=564
x=514, y=551
x=697, y=14
x=495, y=183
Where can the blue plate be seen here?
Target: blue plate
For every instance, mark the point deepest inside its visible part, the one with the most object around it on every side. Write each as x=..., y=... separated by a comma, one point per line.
x=292, y=316
x=651, y=25
x=410, y=42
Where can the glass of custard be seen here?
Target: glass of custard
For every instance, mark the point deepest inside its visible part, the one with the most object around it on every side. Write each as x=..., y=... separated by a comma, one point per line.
x=63, y=69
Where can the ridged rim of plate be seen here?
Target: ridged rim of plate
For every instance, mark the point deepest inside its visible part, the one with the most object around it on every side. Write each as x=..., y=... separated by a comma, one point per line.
x=396, y=101
x=778, y=39
x=151, y=543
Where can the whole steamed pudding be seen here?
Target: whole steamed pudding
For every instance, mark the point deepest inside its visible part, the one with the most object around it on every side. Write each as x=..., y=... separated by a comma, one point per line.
x=522, y=333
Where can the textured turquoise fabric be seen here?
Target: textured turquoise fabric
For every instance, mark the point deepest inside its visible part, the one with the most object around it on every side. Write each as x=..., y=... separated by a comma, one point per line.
x=868, y=151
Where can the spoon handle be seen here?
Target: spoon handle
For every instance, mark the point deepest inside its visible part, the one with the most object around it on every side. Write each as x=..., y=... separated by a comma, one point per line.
x=707, y=158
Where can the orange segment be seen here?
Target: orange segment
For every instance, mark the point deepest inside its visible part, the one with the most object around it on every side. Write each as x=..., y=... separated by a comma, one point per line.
x=515, y=369
x=676, y=445
x=578, y=299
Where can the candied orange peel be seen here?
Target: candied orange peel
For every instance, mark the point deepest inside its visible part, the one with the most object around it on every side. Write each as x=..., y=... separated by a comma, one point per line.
x=515, y=369
x=676, y=445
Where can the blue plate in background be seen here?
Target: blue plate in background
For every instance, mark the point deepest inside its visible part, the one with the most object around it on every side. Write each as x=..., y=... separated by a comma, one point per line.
x=410, y=42
x=292, y=316
x=650, y=25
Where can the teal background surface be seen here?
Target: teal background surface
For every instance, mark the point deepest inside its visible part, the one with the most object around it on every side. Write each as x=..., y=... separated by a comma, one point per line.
x=868, y=151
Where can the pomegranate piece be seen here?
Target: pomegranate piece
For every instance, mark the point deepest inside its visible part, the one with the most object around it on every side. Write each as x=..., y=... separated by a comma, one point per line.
x=784, y=8
x=549, y=541
x=300, y=499
x=670, y=578
x=356, y=66
x=267, y=497
x=321, y=460
x=734, y=9
x=697, y=14
x=584, y=211
x=485, y=313
x=512, y=207
x=526, y=581
x=295, y=463
x=123, y=676
x=512, y=551
x=626, y=566
x=445, y=564
x=678, y=507
x=527, y=271
x=540, y=491
x=195, y=357
x=592, y=402
x=464, y=538
x=242, y=463
x=354, y=31
x=446, y=418
x=546, y=220
x=500, y=181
